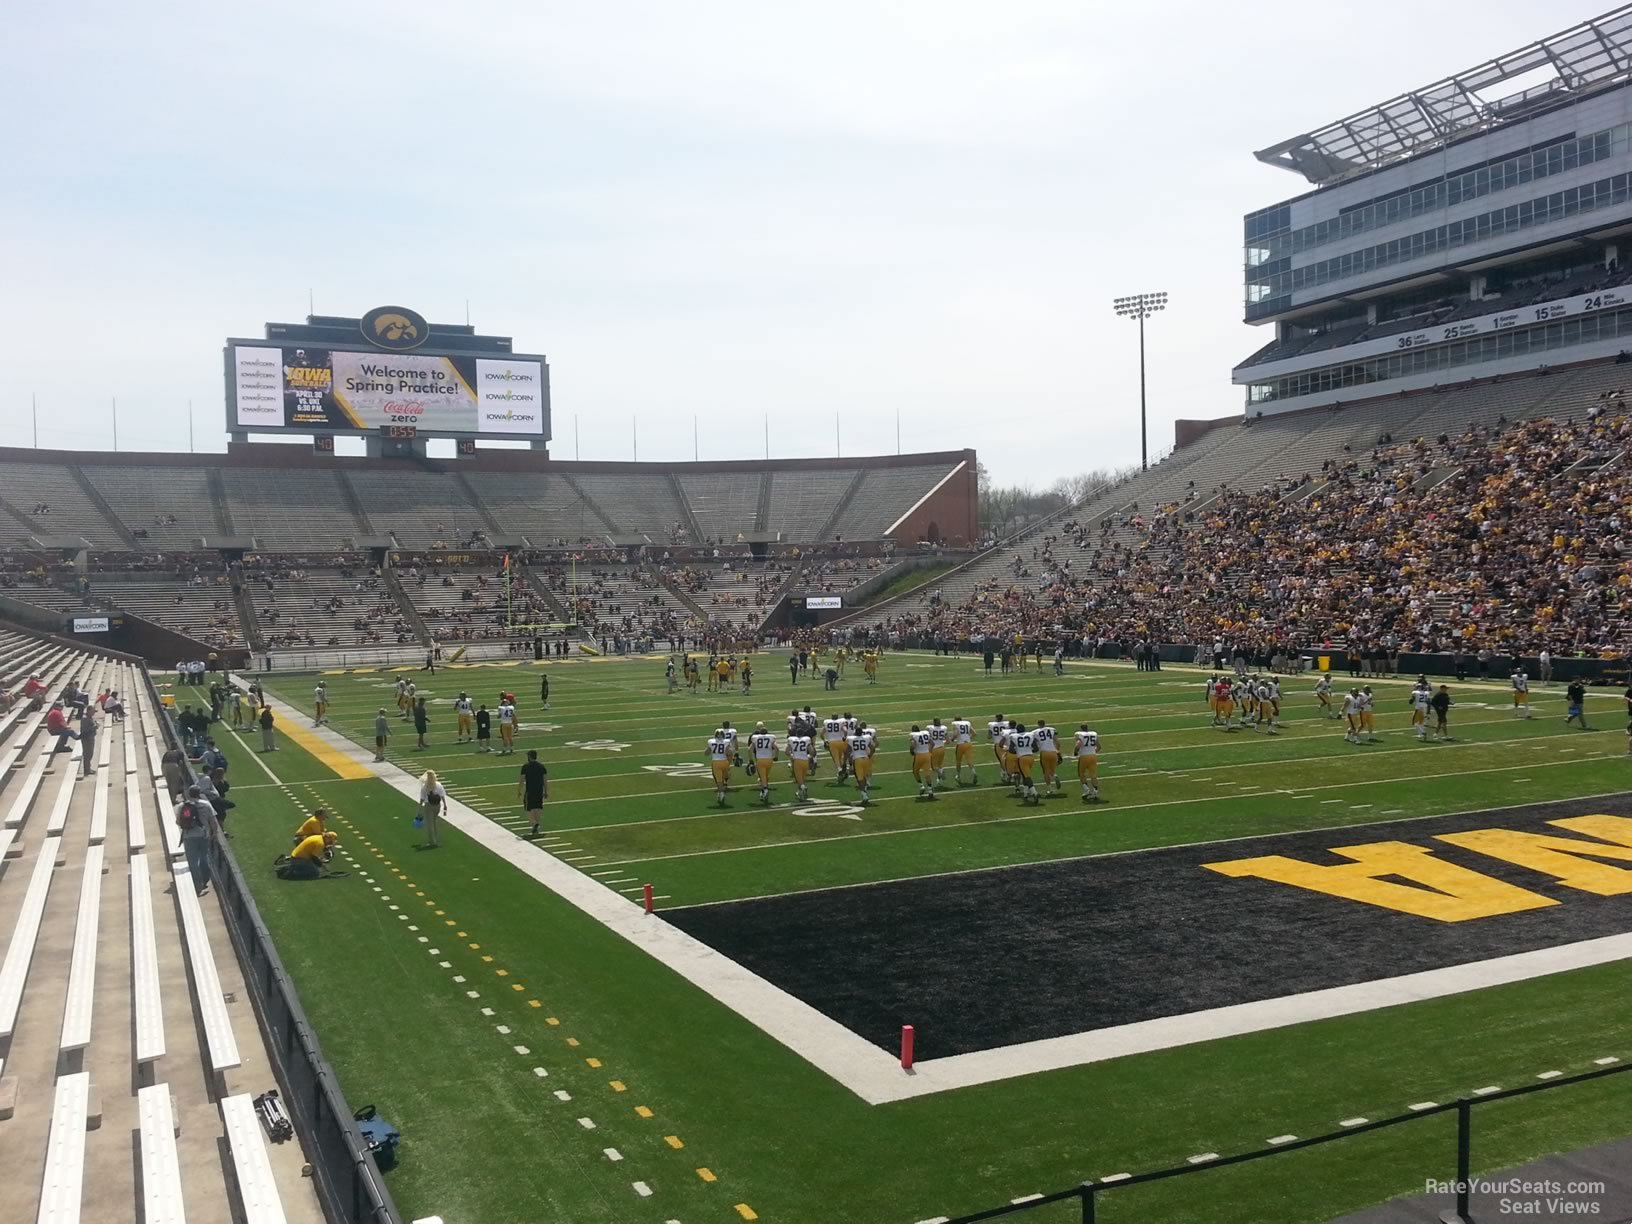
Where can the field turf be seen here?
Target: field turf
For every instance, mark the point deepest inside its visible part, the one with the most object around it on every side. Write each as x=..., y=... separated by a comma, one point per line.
x=656, y=1103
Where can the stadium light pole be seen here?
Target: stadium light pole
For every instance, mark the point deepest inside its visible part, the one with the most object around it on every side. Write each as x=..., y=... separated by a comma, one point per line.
x=1141, y=306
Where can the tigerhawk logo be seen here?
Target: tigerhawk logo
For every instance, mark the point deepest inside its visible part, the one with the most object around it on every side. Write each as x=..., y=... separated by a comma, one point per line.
x=395, y=327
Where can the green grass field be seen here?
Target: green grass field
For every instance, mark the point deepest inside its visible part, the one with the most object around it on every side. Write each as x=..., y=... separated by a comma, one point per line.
x=657, y=1103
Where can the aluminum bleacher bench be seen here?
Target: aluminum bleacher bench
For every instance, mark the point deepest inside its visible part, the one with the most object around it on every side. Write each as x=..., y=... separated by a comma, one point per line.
x=7, y=836
x=257, y=1188
x=212, y=1006
x=99, y=810
x=76, y=1012
x=61, y=1190
x=161, y=1172
x=22, y=731
x=144, y=960
x=17, y=812
x=169, y=835
x=57, y=821
x=135, y=826
x=20, y=952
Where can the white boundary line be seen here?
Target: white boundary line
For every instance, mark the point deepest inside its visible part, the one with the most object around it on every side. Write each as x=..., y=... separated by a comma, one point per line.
x=876, y=1076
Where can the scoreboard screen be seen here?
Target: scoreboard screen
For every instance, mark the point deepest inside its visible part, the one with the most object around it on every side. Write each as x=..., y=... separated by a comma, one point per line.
x=303, y=389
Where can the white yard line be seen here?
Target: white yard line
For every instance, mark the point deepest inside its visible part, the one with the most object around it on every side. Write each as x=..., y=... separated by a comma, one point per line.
x=1125, y=807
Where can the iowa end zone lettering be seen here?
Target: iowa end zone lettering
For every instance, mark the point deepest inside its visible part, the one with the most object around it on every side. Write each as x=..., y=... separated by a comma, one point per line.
x=1184, y=930
x=1447, y=892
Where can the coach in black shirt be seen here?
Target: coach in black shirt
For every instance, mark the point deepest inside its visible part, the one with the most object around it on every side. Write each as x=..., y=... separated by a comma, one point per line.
x=533, y=787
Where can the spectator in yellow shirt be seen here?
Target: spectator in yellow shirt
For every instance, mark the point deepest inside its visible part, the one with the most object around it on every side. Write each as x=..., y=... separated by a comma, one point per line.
x=307, y=858
x=314, y=825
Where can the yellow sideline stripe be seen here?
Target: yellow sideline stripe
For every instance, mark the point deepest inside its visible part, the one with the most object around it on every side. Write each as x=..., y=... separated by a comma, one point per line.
x=336, y=760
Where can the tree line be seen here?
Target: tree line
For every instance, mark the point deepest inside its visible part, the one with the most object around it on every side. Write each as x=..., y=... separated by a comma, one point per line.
x=1005, y=509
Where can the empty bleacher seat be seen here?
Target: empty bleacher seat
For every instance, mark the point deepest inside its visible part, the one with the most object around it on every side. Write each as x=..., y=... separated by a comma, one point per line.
x=20, y=951
x=63, y=1185
x=257, y=1188
x=161, y=1171
x=221, y=1044
x=76, y=1016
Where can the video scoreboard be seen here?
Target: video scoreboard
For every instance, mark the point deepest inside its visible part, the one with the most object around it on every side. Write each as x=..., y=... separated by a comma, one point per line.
x=405, y=378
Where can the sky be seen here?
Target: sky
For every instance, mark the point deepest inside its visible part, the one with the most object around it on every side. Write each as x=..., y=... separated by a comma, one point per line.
x=831, y=217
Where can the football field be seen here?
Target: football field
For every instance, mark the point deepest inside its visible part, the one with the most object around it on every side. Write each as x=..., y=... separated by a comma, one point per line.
x=1253, y=936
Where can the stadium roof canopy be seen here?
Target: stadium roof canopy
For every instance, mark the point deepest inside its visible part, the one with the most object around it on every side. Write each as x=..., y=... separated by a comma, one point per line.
x=1587, y=56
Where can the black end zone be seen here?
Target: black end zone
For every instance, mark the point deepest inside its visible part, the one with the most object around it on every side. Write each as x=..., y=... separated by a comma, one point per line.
x=992, y=958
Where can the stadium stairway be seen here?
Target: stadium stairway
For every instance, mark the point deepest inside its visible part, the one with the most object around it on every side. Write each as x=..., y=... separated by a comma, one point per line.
x=683, y=597
x=220, y=503
x=124, y=1019
x=762, y=511
x=536, y=584
x=489, y=523
x=392, y=583
x=688, y=517
x=592, y=505
x=832, y=522
x=94, y=496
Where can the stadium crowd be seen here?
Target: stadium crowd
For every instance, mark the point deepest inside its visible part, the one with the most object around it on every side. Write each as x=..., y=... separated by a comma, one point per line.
x=1512, y=539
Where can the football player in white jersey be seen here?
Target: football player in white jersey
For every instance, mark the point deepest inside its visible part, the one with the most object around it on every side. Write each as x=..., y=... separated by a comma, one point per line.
x=1351, y=715
x=997, y=732
x=1048, y=753
x=799, y=760
x=859, y=748
x=1521, y=693
x=963, y=748
x=465, y=716
x=1421, y=696
x=763, y=745
x=1323, y=696
x=726, y=731
x=1023, y=746
x=810, y=725
x=409, y=693
x=1270, y=704
x=320, y=703
x=1368, y=716
x=939, y=732
x=719, y=763
x=834, y=733
x=1087, y=747
x=918, y=747
x=507, y=727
